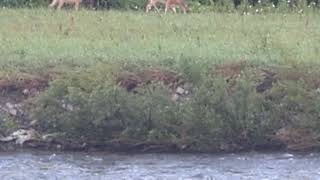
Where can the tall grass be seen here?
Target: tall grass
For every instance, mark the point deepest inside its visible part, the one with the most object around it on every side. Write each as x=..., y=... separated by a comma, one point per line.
x=32, y=38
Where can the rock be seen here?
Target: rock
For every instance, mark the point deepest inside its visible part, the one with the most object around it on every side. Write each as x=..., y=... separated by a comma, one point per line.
x=7, y=139
x=34, y=122
x=59, y=146
x=25, y=135
x=267, y=82
x=180, y=91
x=67, y=106
x=9, y=105
x=50, y=137
x=265, y=85
x=180, y=94
x=21, y=136
x=175, y=97
x=26, y=92
x=11, y=109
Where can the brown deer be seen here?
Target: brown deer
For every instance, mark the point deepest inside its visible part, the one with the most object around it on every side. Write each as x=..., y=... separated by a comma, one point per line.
x=168, y=4
x=62, y=2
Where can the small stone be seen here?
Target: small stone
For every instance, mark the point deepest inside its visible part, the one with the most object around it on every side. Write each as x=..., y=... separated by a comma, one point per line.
x=26, y=92
x=10, y=108
x=69, y=107
x=180, y=91
x=59, y=146
x=84, y=145
x=50, y=137
x=175, y=97
x=7, y=139
x=23, y=136
x=52, y=156
x=9, y=105
x=32, y=123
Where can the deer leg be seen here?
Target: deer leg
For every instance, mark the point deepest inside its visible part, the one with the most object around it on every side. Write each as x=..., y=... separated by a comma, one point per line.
x=184, y=10
x=148, y=7
x=157, y=9
x=173, y=8
x=76, y=6
x=183, y=6
x=60, y=4
x=166, y=8
x=152, y=3
x=93, y=4
x=54, y=2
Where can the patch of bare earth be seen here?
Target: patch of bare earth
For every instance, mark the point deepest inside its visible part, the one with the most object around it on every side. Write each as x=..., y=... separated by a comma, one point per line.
x=132, y=80
x=233, y=71
x=297, y=139
x=23, y=84
x=16, y=88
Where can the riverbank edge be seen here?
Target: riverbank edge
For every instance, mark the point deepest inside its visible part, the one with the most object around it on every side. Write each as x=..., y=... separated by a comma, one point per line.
x=287, y=137
x=118, y=147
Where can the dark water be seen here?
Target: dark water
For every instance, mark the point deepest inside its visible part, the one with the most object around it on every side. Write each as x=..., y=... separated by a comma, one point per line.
x=46, y=165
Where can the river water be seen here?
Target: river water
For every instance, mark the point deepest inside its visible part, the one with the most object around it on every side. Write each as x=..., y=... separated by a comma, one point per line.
x=77, y=166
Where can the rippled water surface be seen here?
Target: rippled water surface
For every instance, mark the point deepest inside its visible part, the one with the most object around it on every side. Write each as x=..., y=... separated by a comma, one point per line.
x=48, y=165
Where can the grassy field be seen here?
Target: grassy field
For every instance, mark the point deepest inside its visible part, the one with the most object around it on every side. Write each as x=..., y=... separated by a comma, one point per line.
x=36, y=38
x=247, y=82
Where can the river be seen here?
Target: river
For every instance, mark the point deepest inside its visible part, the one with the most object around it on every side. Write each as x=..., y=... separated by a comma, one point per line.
x=77, y=166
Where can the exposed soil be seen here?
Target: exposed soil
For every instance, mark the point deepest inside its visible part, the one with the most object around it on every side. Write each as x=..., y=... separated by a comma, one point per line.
x=232, y=71
x=297, y=138
x=131, y=80
x=23, y=84
x=268, y=75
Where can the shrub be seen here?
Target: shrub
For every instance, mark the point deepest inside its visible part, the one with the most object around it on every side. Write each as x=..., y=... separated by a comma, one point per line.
x=90, y=106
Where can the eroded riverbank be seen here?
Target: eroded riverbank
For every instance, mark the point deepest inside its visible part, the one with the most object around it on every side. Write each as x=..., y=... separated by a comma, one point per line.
x=186, y=106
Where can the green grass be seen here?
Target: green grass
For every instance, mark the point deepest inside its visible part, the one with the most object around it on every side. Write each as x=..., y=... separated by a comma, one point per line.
x=31, y=38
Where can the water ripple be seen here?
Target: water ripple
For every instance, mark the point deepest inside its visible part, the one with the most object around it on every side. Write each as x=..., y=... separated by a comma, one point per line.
x=75, y=166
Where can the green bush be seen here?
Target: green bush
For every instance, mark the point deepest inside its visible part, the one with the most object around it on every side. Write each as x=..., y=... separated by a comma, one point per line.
x=89, y=105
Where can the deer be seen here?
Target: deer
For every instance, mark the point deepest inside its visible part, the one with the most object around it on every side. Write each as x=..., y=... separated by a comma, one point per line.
x=62, y=2
x=168, y=4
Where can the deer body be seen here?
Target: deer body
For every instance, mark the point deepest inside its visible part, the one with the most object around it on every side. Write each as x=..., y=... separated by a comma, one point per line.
x=168, y=4
x=62, y=2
